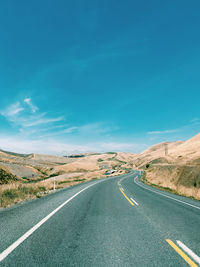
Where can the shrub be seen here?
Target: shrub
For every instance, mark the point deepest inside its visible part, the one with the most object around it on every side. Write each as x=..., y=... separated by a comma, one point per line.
x=6, y=177
x=10, y=193
x=10, y=196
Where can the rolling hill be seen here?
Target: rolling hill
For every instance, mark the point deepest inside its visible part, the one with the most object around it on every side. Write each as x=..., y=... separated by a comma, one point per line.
x=172, y=166
x=177, y=170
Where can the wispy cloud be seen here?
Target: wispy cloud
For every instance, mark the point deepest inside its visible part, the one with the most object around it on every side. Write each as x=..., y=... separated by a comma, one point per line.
x=36, y=122
x=163, y=132
x=68, y=130
x=21, y=145
x=53, y=146
x=30, y=122
x=184, y=128
x=97, y=128
x=12, y=110
x=122, y=147
x=94, y=130
x=37, y=132
x=195, y=121
x=25, y=114
x=30, y=104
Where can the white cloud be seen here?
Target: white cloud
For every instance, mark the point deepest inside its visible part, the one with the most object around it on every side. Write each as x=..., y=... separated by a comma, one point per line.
x=164, y=132
x=40, y=146
x=97, y=128
x=70, y=129
x=52, y=146
x=193, y=123
x=122, y=147
x=30, y=104
x=62, y=132
x=195, y=120
x=27, y=119
x=12, y=110
x=35, y=121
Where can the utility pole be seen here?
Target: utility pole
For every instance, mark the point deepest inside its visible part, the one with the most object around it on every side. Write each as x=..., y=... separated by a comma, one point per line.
x=166, y=149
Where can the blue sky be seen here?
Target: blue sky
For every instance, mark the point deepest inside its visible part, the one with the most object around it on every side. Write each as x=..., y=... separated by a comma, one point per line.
x=79, y=76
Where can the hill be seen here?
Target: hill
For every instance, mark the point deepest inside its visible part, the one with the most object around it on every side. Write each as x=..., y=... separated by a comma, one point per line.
x=173, y=165
x=28, y=176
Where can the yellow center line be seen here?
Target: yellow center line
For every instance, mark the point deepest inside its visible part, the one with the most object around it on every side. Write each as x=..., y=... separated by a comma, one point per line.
x=126, y=197
x=181, y=253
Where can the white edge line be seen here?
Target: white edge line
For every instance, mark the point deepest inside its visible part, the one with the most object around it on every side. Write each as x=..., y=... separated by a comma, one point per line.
x=7, y=251
x=122, y=189
x=134, y=201
x=189, y=251
x=167, y=196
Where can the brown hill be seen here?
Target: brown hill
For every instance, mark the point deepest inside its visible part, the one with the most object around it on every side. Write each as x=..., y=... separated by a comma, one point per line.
x=93, y=163
x=175, y=165
x=159, y=153
x=189, y=150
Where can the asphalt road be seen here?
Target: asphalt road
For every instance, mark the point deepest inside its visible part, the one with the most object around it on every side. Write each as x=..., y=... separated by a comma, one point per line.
x=109, y=222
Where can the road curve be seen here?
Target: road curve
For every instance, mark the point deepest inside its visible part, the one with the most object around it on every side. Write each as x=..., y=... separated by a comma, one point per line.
x=110, y=222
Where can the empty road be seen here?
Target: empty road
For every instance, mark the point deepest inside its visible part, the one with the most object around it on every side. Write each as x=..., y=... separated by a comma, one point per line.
x=109, y=222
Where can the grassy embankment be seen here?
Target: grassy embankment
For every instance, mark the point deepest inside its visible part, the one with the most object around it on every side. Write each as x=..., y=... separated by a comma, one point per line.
x=180, y=180
x=14, y=190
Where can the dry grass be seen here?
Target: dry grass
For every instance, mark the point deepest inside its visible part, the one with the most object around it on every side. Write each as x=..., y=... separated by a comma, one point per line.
x=178, y=171
x=19, y=191
x=32, y=176
x=14, y=193
x=183, y=180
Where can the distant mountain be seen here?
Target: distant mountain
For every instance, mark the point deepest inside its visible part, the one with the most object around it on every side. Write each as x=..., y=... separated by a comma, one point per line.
x=14, y=154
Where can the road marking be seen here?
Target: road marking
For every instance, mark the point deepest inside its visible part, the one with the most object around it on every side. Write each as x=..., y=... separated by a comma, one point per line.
x=183, y=202
x=181, y=253
x=134, y=201
x=7, y=251
x=126, y=197
x=189, y=251
x=122, y=189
